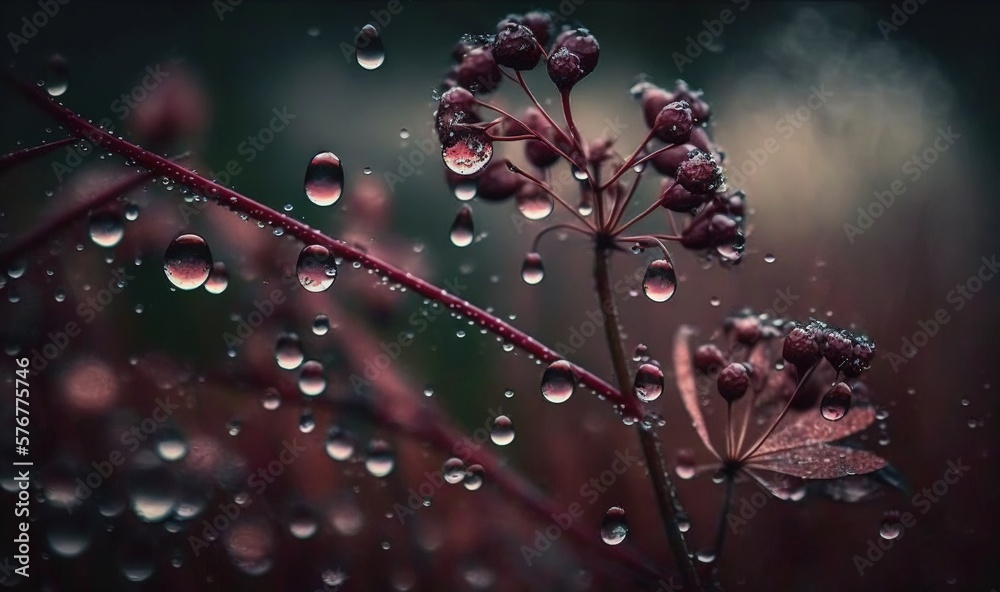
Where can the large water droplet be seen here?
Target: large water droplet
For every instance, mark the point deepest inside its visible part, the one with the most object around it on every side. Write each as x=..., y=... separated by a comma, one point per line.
x=534, y=205
x=532, y=270
x=467, y=152
x=57, y=80
x=339, y=444
x=321, y=325
x=473, y=477
x=302, y=522
x=312, y=382
x=316, y=268
x=106, y=229
x=558, y=381
x=836, y=402
x=891, y=527
x=152, y=490
x=170, y=444
x=218, y=279
x=502, y=433
x=288, y=351
x=685, y=468
x=380, y=459
x=187, y=262
x=453, y=470
x=370, y=50
x=660, y=281
x=324, y=179
x=462, y=231
x=614, y=527
x=648, y=382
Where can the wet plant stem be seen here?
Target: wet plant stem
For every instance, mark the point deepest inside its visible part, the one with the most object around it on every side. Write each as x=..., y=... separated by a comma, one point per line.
x=663, y=487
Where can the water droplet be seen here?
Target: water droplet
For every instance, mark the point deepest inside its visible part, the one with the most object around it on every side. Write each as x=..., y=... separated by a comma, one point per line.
x=233, y=426
x=324, y=179
x=836, y=402
x=614, y=527
x=302, y=522
x=683, y=522
x=187, y=262
x=648, y=382
x=508, y=393
x=151, y=490
x=454, y=470
x=462, y=231
x=307, y=422
x=467, y=152
x=580, y=174
x=272, y=399
x=70, y=535
x=714, y=301
x=339, y=444
x=502, y=433
x=473, y=477
x=288, y=351
x=316, y=268
x=641, y=353
x=534, y=205
x=558, y=381
x=891, y=527
x=312, y=382
x=733, y=250
x=705, y=556
x=57, y=81
x=532, y=270
x=380, y=459
x=170, y=444
x=370, y=50
x=218, y=279
x=321, y=325
x=685, y=468
x=660, y=281
x=367, y=170
x=132, y=212
x=404, y=133
x=466, y=189
x=769, y=258
x=106, y=229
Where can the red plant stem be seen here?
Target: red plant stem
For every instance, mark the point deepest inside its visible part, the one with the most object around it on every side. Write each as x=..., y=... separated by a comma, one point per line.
x=555, y=196
x=645, y=212
x=619, y=208
x=240, y=203
x=12, y=159
x=781, y=415
x=628, y=163
x=538, y=136
x=548, y=229
x=545, y=114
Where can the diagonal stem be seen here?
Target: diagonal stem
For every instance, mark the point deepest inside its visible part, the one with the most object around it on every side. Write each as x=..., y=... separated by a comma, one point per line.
x=663, y=487
x=17, y=157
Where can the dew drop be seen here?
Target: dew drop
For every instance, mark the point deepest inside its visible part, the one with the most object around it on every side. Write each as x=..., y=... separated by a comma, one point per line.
x=321, y=325
x=131, y=212
x=380, y=459
x=152, y=490
x=836, y=402
x=705, y=556
x=170, y=444
x=648, y=382
x=307, y=422
x=312, y=382
x=271, y=400
x=508, y=393
x=288, y=351
x=660, y=281
x=502, y=432
x=367, y=170
x=641, y=353
x=316, y=268
x=324, y=179
x=462, y=231
x=467, y=152
x=233, y=426
x=714, y=301
x=891, y=527
x=57, y=81
x=732, y=250
x=404, y=133
x=302, y=522
x=370, y=50
x=453, y=470
x=534, y=205
x=685, y=464
x=339, y=444
x=106, y=229
x=614, y=527
x=187, y=262
x=473, y=477
x=769, y=258
x=532, y=270
x=69, y=536
x=558, y=381
x=683, y=522
x=580, y=174
x=218, y=279
x=466, y=189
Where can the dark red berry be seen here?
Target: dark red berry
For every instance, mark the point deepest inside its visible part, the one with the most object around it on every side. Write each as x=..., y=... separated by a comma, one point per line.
x=455, y=108
x=745, y=329
x=536, y=151
x=540, y=23
x=699, y=108
x=700, y=173
x=673, y=123
x=581, y=43
x=677, y=199
x=837, y=348
x=564, y=69
x=498, y=182
x=478, y=71
x=708, y=358
x=733, y=382
x=800, y=349
x=667, y=161
x=515, y=47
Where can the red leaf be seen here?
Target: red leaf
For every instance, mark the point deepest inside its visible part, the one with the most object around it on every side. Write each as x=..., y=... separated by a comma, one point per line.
x=820, y=462
x=806, y=428
x=686, y=385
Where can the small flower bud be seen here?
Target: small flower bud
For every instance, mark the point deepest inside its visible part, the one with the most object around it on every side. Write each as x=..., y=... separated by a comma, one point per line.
x=700, y=173
x=837, y=348
x=800, y=349
x=673, y=123
x=581, y=43
x=733, y=382
x=667, y=161
x=677, y=199
x=515, y=47
x=708, y=357
x=478, y=71
x=498, y=182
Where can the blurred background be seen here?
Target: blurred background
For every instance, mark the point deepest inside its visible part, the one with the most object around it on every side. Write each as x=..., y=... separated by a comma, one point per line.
x=820, y=108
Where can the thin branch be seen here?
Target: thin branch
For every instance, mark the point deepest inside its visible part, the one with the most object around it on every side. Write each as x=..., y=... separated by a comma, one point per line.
x=12, y=159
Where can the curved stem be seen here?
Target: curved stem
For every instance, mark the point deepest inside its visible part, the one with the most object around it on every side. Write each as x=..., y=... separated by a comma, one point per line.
x=520, y=81
x=308, y=235
x=548, y=229
x=663, y=487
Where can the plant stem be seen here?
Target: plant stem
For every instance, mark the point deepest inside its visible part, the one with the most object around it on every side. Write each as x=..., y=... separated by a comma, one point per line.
x=12, y=159
x=663, y=487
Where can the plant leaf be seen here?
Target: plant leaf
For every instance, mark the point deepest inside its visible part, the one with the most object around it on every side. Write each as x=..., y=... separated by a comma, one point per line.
x=807, y=428
x=821, y=461
x=684, y=371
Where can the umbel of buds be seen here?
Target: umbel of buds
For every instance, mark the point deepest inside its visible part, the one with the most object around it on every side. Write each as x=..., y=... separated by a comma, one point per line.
x=847, y=352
